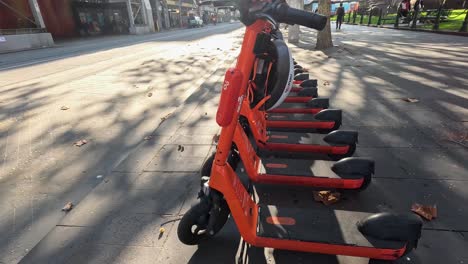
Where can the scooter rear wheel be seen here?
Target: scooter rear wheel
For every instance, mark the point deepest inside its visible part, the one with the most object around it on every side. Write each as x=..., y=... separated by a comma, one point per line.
x=192, y=226
x=206, y=167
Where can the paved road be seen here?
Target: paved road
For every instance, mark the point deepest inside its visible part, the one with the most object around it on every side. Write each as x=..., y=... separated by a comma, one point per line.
x=116, y=90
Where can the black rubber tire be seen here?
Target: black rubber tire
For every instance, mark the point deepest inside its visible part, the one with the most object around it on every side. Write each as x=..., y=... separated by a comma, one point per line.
x=350, y=153
x=206, y=168
x=192, y=216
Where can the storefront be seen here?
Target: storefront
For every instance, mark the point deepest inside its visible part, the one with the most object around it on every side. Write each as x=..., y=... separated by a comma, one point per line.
x=99, y=17
x=178, y=14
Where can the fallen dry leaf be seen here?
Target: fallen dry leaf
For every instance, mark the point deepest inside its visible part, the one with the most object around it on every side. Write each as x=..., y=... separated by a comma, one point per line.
x=410, y=100
x=64, y=108
x=150, y=94
x=327, y=197
x=68, y=207
x=180, y=148
x=426, y=211
x=325, y=83
x=80, y=143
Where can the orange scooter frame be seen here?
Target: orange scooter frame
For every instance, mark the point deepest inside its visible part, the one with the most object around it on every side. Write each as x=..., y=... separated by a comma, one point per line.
x=243, y=209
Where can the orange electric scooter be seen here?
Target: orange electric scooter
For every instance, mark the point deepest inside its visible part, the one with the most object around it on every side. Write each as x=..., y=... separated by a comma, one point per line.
x=385, y=236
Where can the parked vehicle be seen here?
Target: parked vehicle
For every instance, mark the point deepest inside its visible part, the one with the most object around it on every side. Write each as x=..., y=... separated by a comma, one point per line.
x=195, y=21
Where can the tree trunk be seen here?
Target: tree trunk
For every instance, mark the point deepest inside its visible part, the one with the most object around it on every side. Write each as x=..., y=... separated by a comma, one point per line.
x=293, y=31
x=324, y=39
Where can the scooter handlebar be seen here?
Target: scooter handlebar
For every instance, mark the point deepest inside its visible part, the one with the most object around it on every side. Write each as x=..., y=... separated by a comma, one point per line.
x=289, y=15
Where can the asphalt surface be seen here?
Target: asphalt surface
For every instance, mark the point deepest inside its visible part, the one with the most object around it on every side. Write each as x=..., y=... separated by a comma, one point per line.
x=114, y=91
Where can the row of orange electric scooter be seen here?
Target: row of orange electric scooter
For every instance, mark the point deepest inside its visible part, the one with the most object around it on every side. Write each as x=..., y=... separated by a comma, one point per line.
x=277, y=133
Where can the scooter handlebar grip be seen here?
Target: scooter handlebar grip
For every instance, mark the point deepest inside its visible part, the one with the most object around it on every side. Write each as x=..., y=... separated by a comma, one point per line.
x=289, y=15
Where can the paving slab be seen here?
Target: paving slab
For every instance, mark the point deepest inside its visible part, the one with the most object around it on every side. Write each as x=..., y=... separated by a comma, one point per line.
x=101, y=202
x=450, y=248
x=171, y=157
x=386, y=164
x=102, y=253
x=394, y=137
x=137, y=160
x=433, y=163
x=160, y=193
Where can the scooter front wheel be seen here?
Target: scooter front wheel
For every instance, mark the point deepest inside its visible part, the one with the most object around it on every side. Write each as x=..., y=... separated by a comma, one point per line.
x=193, y=226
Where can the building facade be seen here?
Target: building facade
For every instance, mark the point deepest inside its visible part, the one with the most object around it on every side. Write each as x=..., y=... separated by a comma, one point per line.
x=72, y=18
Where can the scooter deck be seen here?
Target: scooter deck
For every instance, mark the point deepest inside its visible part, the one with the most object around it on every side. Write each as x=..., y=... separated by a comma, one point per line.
x=300, y=145
x=313, y=173
x=303, y=168
x=295, y=108
x=296, y=138
x=293, y=121
x=298, y=99
x=321, y=225
x=296, y=117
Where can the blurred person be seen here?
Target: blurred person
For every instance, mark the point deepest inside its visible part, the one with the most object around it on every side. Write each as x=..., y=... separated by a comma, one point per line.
x=340, y=12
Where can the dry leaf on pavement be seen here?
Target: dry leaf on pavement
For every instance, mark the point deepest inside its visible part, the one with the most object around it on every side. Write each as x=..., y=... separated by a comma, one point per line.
x=150, y=94
x=68, y=207
x=426, y=211
x=180, y=148
x=325, y=83
x=410, y=100
x=64, y=108
x=80, y=143
x=327, y=197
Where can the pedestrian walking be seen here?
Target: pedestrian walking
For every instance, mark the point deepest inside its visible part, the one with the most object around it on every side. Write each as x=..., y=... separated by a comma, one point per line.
x=340, y=12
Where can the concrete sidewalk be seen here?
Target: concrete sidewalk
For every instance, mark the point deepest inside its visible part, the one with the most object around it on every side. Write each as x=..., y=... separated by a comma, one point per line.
x=120, y=220
x=420, y=151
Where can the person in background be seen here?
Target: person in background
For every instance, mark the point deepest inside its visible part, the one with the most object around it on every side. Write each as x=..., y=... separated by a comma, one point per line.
x=340, y=12
x=405, y=7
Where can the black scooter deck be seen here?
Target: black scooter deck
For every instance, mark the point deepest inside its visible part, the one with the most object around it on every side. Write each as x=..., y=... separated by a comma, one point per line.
x=296, y=138
x=293, y=117
x=323, y=225
x=300, y=167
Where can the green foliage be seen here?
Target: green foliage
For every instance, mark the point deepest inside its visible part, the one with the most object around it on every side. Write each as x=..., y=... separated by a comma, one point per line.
x=453, y=22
